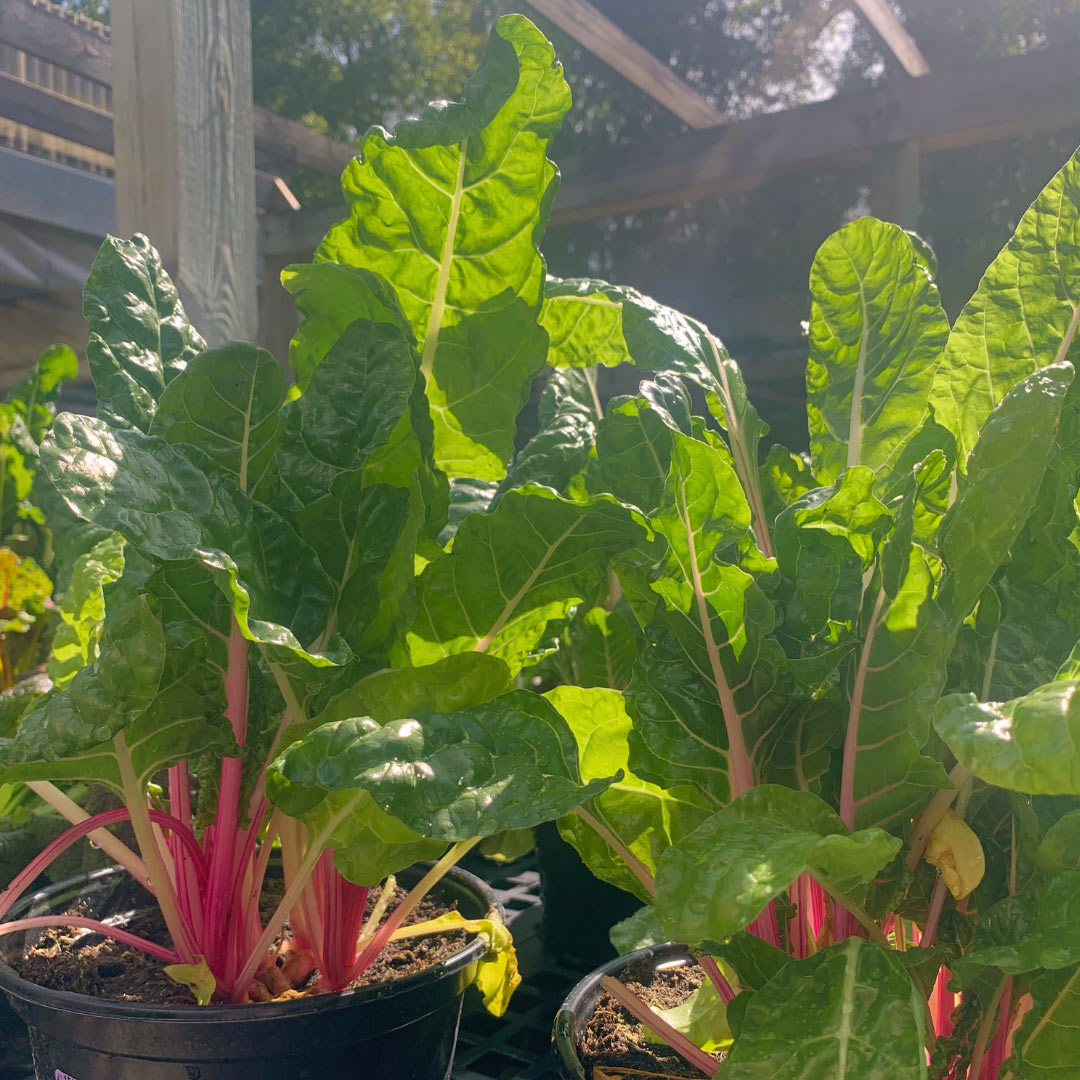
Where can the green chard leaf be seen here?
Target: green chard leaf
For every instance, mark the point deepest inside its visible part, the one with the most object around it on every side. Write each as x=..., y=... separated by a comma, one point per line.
x=877, y=334
x=83, y=608
x=636, y=329
x=1048, y=1040
x=1028, y=744
x=850, y=1012
x=717, y=880
x=720, y=619
x=171, y=503
x=645, y=818
x=450, y=209
x=1004, y=474
x=514, y=570
x=1024, y=315
x=508, y=764
x=226, y=402
x=139, y=709
x=140, y=337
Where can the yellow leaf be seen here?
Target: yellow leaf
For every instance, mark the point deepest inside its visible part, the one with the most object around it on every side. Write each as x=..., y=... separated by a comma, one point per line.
x=497, y=977
x=955, y=850
x=196, y=977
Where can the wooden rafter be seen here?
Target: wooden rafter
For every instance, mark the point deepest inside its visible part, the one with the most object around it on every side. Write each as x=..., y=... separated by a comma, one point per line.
x=901, y=44
x=618, y=50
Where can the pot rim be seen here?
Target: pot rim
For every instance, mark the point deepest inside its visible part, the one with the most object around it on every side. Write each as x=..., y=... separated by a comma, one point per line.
x=562, y=1030
x=84, y=1004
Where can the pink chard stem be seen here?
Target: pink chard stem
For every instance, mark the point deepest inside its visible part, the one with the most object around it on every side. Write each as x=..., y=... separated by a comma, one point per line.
x=170, y=956
x=660, y=1027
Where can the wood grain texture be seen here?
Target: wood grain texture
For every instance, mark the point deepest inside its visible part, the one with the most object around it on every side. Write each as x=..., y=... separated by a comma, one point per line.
x=617, y=49
x=185, y=167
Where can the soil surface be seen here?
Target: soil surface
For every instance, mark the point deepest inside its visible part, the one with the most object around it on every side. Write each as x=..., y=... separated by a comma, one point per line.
x=614, y=1039
x=63, y=959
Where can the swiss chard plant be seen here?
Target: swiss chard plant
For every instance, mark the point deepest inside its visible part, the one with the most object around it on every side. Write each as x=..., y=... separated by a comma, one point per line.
x=312, y=644
x=849, y=742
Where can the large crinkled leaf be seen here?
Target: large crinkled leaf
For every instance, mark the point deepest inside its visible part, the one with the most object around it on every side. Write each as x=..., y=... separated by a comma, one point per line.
x=450, y=209
x=644, y=817
x=825, y=541
x=516, y=569
x=1023, y=316
x=508, y=764
x=877, y=333
x=1046, y=938
x=227, y=401
x=169, y=501
x=332, y=297
x=83, y=608
x=634, y=328
x=850, y=1012
x=1004, y=473
x=1048, y=1040
x=715, y=611
x=1028, y=744
x=352, y=467
x=717, y=880
x=569, y=410
x=891, y=684
x=140, y=337
x=36, y=393
x=140, y=708
x=453, y=683
x=678, y=734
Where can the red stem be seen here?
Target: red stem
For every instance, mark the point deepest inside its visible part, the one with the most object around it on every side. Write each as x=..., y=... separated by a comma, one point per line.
x=716, y=977
x=170, y=956
x=29, y=873
x=660, y=1027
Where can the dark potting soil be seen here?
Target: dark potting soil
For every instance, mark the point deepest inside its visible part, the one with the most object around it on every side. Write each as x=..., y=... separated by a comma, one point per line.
x=614, y=1039
x=63, y=959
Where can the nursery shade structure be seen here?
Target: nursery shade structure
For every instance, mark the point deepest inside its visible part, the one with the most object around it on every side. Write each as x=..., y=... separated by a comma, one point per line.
x=63, y=77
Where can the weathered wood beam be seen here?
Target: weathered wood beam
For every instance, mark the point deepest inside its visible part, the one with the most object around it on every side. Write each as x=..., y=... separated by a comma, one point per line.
x=185, y=169
x=618, y=50
x=891, y=30
x=995, y=99
x=52, y=113
x=55, y=115
x=40, y=190
x=284, y=145
x=57, y=37
x=991, y=100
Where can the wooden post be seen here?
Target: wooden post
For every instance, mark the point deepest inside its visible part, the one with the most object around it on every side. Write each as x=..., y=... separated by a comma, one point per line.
x=894, y=184
x=185, y=165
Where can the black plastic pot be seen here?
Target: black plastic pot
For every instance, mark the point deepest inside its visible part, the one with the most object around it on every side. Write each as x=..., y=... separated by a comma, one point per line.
x=579, y=908
x=402, y=1029
x=576, y=1011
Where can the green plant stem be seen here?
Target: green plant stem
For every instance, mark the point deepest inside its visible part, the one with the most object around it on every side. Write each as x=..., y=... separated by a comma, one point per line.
x=135, y=800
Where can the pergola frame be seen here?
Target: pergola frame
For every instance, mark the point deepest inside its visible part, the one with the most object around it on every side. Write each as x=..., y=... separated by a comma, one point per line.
x=890, y=125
